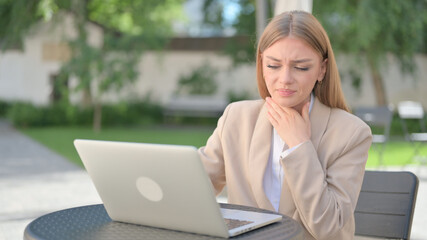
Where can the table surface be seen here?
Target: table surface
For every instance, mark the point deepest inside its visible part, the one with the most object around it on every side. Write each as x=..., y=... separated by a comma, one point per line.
x=93, y=222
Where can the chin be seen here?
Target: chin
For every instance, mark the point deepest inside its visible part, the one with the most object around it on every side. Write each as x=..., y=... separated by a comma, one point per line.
x=285, y=103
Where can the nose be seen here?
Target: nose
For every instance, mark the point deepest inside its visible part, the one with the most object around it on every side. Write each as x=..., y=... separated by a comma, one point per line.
x=286, y=75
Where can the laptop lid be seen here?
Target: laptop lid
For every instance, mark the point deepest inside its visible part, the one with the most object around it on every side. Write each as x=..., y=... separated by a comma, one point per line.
x=156, y=185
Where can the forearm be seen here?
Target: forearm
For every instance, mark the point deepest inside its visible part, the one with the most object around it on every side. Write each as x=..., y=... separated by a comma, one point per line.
x=212, y=156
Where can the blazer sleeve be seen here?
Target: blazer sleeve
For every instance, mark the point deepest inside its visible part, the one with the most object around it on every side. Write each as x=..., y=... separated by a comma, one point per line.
x=326, y=196
x=212, y=155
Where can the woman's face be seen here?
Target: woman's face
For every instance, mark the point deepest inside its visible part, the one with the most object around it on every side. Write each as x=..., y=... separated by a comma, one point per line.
x=291, y=68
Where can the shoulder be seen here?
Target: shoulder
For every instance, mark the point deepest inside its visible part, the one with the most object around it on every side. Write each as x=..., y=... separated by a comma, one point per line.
x=344, y=132
x=344, y=125
x=335, y=118
x=347, y=120
x=336, y=124
x=241, y=114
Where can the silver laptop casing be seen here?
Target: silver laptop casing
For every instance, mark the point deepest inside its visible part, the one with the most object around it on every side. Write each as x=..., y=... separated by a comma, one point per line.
x=181, y=199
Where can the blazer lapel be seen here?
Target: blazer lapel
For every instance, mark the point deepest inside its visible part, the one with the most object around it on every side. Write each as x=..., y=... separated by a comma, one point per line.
x=258, y=158
x=319, y=117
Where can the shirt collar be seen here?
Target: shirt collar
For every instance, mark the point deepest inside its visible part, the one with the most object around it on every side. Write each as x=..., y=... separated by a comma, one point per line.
x=311, y=102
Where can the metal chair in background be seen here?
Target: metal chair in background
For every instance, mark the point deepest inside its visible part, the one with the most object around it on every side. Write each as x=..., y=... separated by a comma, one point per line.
x=379, y=119
x=413, y=111
x=386, y=205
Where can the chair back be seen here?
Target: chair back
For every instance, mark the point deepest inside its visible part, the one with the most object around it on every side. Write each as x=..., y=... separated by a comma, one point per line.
x=386, y=204
x=411, y=110
x=377, y=117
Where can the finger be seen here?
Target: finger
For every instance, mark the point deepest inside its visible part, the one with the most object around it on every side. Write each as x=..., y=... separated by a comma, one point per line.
x=282, y=110
x=273, y=121
x=271, y=109
x=276, y=107
x=272, y=112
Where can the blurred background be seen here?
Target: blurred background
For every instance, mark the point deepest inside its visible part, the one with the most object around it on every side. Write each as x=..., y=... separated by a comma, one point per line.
x=103, y=65
x=162, y=71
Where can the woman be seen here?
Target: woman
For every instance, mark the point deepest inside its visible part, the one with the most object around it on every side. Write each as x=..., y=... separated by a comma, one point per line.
x=297, y=150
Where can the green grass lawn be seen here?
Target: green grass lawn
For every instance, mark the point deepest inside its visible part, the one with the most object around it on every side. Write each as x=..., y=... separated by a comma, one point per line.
x=396, y=153
x=60, y=140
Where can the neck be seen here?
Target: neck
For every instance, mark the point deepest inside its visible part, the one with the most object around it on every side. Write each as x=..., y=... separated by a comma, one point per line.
x=299, y=107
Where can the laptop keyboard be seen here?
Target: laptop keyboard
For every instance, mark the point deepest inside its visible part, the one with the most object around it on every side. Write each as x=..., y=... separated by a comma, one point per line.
x=235, y=223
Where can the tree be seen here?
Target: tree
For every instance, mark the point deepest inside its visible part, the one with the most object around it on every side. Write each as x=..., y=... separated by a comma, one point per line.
x=367, y=29
x=16, y=18
x=240, y=51
x=372, y=29
x=129, y=27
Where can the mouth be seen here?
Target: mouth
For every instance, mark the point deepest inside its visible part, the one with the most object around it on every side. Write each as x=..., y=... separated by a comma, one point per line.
x=286, y=92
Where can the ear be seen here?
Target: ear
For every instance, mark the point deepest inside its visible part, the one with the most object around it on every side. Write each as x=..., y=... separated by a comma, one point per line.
x=322, y=72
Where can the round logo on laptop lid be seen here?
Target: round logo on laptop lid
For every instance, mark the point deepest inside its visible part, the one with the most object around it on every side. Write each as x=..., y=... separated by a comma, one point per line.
x=149, y=189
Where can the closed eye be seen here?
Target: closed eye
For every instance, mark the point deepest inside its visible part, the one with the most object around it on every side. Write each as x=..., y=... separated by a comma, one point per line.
x=302, y=68
x=273, y=66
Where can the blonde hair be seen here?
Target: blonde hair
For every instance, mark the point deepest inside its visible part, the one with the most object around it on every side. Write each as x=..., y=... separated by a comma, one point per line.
x=304, y=26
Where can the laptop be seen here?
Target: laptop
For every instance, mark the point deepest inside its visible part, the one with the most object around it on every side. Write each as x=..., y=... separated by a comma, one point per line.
x=163, y=186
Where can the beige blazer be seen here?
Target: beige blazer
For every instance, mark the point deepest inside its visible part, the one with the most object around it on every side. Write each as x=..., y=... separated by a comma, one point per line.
x=322, y=177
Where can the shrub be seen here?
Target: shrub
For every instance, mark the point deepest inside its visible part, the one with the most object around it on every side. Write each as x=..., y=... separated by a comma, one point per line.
x=200, y=82
x=23, y=114
x=4, y=106
x=238, y=96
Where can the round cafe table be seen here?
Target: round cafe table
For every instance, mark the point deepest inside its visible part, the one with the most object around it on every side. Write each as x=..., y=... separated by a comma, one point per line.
x=92, y=222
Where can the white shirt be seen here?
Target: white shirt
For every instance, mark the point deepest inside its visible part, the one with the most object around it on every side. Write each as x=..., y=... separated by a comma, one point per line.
x=273, y=177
